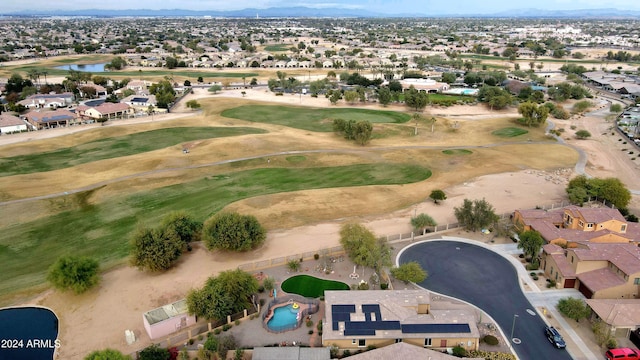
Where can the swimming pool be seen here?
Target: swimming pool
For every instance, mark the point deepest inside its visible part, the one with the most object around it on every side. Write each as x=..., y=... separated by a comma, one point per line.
x=284, y=318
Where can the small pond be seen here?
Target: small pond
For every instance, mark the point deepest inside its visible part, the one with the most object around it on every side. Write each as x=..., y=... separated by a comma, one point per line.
x=92, y=68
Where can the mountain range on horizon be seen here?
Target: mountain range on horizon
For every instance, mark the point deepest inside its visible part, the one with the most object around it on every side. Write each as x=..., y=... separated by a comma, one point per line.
x=310, y=12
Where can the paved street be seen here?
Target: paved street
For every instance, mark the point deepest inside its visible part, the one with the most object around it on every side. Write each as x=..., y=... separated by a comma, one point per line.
x=489, y=281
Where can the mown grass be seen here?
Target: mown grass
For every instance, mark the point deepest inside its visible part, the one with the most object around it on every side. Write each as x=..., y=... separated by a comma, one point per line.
x=310, y=286
x=311, y=119
x=457, y=152
x=102, y=230
x=278, y=47
x=113, y=147
x=509, y=132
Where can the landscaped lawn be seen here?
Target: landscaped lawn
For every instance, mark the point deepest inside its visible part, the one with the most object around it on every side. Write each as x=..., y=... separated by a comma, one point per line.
x=103, y=230
x=510, y=132
x=310, y=286
x=113, y=147
x=310, y=118
x=278, y=47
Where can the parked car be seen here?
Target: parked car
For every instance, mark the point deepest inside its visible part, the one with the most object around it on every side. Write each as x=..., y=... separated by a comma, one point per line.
x=622, y=354
x=554, y=337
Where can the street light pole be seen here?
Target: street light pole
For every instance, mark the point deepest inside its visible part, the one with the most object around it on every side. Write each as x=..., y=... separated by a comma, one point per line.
x=513, y=326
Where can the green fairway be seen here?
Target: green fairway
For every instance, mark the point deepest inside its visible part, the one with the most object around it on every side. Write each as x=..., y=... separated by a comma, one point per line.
x=312, y=119
x=278, y=47
x=114, y=147
x=103, y=230
x=52, y=71
x=457, y=152
x=310, y=286
x=510, y=132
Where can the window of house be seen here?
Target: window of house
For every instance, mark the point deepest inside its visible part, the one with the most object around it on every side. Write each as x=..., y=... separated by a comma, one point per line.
x=572, y=259
x=590, y=225
x=353, y=341
x=551, y=272
x=636, y=281
x=362, y=342
x=398, y=340
x=427, y=342
x=623, y=227
x=580, y=223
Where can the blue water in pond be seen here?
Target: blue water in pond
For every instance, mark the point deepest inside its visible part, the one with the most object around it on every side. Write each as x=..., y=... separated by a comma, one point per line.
x=92, y=68
x=284, y=318
x=28, y=333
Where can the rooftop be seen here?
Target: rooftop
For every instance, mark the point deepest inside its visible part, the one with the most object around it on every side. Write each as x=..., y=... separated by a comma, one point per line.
x=166, y=312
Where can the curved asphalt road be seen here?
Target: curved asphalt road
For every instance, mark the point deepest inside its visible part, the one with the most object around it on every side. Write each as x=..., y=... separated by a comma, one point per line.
x=488, y=281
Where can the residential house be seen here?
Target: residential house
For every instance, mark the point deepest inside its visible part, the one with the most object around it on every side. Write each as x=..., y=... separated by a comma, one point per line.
x=140, y=102
x=425, y=85
x=622, y=316
x=290, y=353
x=573, y=224
x=167, y=319
x=403, y=350
x=50, y=101
x=598, y=271
x=11, y=124
x=51, y=119
x=105, y=111
x=359, y=319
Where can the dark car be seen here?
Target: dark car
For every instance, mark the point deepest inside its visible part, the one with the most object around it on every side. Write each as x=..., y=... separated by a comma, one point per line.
x=554, y=337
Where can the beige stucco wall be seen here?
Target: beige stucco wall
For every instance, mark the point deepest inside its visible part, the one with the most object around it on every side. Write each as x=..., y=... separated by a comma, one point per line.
x=435, y=343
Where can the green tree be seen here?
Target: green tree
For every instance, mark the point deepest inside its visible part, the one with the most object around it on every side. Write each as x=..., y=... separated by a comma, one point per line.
x=350, y=96
x=335, y=97
x=615, y=108
x=581, y=106
x=184, y=225
x=107, y=354
x=155, y=249
x=437, y=195
x=530, y=242
x=409, y=272
x=293, y=265
x=74, y=273
x=154, y=352
x=363, y=248
x=533, y=114
x=215, y=89
x=232, y=231
x=421, y=221
x=362, y=132
x=609, y=189
x=193, y=104
x=573, y=308
x=475, y=215
x=415, y=99
x=450, y=78
x=384, y=96
x=171, y=62
x=583, y=134
x=228, y=293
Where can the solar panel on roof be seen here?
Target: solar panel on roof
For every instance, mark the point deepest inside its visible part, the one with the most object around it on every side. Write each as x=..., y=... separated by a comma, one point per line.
x=363, y=332
x=139, y=99
x=435, y=328
x=343, y=308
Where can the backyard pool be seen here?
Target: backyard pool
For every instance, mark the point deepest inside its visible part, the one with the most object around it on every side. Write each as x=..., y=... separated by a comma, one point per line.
x=284, y=318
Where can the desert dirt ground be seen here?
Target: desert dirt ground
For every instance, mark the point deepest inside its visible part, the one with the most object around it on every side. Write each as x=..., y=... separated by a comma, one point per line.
x=98, y=319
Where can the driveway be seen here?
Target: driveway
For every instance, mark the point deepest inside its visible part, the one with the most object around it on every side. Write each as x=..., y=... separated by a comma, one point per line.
x=488, y=281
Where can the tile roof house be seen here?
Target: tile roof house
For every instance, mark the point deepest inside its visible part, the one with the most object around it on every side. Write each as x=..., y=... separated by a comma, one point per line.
x=105, y=111
x=53, y=101
x=403, y=350
x=11, y=123
x=598, y=271
x=621, y=316
x=50, y=119
x=359, y=319
x=573, y=224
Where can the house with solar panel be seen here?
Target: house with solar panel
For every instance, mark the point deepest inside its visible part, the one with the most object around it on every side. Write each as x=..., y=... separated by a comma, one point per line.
x=140, y=102
x=359, y=319
x=51, y=119
x=105, y=111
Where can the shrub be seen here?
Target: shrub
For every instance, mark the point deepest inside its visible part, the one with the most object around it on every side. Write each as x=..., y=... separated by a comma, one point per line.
x=535, y=277
x=319, y=326
x=490, y=340
x=309, y=323
x=532, y=273
x=612, y=343
x=384, y=286
x=260, y=289
x=346, y=353
x=226, y=327
x=316, y=256
x=262, y=301
x=310, y=332
x=237, y=322
x=551, y=284
x=217, y=331
x=459, y=351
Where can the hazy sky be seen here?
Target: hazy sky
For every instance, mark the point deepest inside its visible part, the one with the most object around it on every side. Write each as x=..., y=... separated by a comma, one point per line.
x=382, y=6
